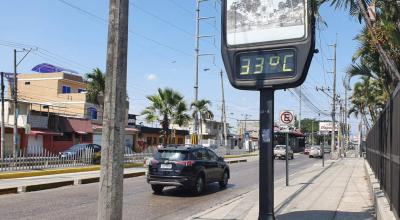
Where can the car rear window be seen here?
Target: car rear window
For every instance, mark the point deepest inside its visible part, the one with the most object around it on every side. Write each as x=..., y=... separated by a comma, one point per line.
x=171, y=155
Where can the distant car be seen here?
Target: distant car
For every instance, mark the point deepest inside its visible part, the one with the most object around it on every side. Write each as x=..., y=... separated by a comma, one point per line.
x=280, y=152
x=306, y=150
x=78, y=150
x=315, y=152
x=187, y=166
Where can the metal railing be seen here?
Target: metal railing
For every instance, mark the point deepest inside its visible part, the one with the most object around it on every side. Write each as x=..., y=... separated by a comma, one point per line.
x=44, y=159
x=383, y=151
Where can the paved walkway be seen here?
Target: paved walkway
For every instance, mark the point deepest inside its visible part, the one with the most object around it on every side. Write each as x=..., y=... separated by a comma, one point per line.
x=338, y=191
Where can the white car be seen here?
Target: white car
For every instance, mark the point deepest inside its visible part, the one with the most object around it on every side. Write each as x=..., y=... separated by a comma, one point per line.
x=315, y=152
x=280, y=152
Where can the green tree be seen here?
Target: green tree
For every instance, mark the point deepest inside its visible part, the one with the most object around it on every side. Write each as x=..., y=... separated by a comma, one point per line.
x=96, y=85
x=201, y=108
x=166, y=106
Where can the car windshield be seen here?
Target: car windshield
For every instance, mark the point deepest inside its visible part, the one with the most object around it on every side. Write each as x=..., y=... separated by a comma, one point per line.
x=280, y=147
x=171, y=155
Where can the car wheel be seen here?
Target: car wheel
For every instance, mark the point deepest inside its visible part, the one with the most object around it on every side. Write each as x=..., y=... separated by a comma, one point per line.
x=199, y=185
x=310, y=156
x=157, y=189
x=224, y=182
x=292, y=157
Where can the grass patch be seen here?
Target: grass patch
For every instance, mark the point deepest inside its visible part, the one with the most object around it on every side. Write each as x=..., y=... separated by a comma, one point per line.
x=21, y=174
x=239, y=156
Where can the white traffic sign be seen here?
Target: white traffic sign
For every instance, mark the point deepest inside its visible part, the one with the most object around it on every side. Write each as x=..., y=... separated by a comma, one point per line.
x=287, y=117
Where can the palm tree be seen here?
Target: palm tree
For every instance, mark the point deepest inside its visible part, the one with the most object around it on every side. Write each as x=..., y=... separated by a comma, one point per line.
x=96, y=85
x=388, y=12
x=200, y=107
x=166, y=106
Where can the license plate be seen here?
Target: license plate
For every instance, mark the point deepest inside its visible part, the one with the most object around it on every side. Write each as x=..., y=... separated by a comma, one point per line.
x=166, y=166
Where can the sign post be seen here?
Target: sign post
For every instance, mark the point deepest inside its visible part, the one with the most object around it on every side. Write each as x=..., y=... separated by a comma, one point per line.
x=267, y=46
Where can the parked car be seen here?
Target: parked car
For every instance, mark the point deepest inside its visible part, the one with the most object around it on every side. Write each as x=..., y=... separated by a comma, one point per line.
x=77, y=149
x=315, y=152
x=307, y=150
x=280, y=152
x=188, y=166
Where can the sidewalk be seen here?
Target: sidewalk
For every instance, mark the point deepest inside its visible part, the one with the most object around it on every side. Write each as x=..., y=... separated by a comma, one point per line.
x=338, y=191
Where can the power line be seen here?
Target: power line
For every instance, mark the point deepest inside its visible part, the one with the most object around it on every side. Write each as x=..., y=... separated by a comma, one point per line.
x=132, y=32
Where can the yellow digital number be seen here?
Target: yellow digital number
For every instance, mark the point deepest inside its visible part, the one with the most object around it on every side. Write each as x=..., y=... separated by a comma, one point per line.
x=285, y=69
x=245, y=68
x=259, y=65
x=274, y=60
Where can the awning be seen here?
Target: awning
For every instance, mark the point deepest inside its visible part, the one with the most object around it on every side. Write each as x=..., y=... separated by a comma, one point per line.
x=44, y=132
x=80, y=126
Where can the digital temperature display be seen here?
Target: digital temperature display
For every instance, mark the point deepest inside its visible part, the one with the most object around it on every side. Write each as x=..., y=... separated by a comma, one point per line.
x=265, y=63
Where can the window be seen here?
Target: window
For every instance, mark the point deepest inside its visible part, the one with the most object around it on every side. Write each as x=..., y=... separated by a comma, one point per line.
x=211, y=155
x=86, y=138
x=27, y=83
x=200, y=154
x=92, y=113
x=66, y=89
x=80, y=90
x=154, y=140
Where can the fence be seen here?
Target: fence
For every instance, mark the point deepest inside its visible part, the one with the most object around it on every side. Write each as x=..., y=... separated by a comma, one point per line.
x=43, y=159
x=383, y=151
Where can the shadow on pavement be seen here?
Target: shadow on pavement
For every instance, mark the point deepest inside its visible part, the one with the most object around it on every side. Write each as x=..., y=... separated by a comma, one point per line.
x=324, y=215
x=181, y=192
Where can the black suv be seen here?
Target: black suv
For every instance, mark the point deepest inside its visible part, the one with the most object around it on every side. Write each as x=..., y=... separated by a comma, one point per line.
x=188, y=166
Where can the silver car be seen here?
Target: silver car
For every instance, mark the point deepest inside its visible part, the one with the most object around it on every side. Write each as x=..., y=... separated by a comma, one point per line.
x=280, y=152
x=315, y=152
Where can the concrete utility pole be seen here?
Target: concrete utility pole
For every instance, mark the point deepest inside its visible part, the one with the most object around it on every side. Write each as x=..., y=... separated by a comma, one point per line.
x=114, y=119
x=15, y=97
x=3, y=140
x=223, y=110
x=333, y=144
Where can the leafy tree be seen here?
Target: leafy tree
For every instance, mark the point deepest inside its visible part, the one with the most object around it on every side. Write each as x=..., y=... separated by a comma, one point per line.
x=166, y=106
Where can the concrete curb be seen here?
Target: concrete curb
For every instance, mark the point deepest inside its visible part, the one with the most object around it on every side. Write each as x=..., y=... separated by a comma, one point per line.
x=44, y=186
x=236, y=161
x=382, y=206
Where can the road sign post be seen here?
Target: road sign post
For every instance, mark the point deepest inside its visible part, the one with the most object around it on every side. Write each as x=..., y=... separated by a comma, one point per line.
x=287, y=159
x=265, y=48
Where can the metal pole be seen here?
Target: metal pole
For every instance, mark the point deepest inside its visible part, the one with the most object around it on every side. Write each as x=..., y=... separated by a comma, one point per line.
x=287, y=160
x=323, y=152
x=196, y=81
x=15, y=136
x=312, y=132
x=110, y=199
x=266, y=170
x=333, y=142
x=300, y=112
x=224, y=110
x=3, y=142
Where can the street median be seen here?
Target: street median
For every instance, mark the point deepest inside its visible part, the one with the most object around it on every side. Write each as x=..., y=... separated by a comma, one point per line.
x=32, y=173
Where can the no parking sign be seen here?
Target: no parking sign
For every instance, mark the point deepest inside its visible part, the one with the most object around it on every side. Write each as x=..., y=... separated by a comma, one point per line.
x=287, y=117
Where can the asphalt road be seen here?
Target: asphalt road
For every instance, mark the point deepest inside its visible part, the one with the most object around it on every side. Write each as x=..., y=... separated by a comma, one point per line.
x=80, y=202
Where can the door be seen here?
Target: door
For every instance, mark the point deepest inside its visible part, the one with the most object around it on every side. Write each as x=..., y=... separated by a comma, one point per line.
x=214, y=165
x=35, y=144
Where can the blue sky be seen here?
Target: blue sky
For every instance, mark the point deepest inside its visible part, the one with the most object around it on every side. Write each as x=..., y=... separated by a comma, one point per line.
x=161, y=49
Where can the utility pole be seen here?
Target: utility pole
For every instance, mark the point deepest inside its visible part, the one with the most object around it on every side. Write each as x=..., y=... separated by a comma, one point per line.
x=223, y=110
x=3, y=142
x=300, y=112
x=333, y=144
x=340, y=133
x=15, y=97
x=312, y=132
x=197, y=56
x=346, y=83
x=110, y=200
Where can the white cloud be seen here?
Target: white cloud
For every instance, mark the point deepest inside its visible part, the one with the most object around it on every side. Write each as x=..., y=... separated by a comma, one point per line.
x=151, y=77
